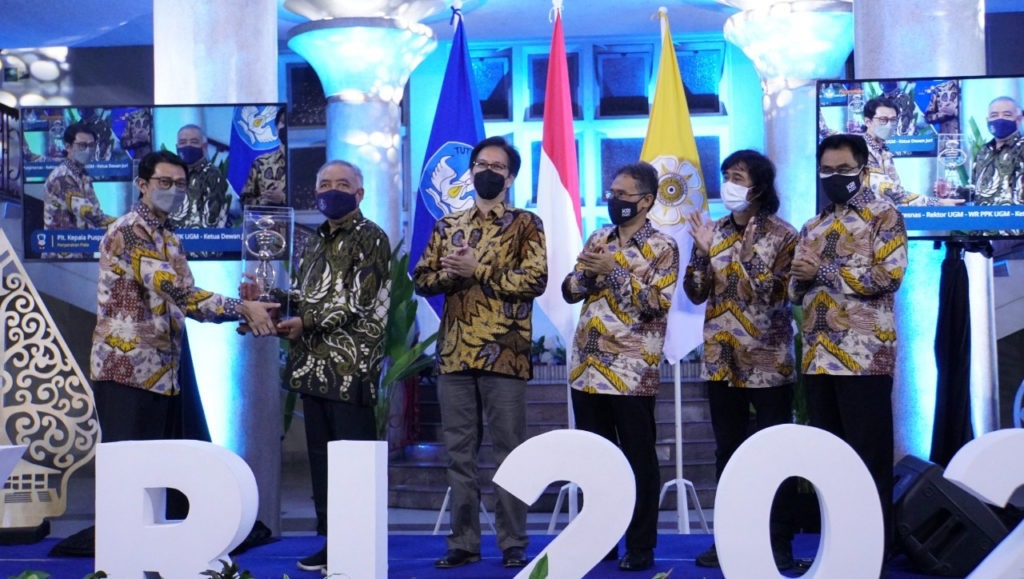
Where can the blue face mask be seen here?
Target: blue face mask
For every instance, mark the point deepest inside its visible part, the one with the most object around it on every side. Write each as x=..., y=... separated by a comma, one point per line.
x=335, y=204
x=190, y=154
x=1002, y=128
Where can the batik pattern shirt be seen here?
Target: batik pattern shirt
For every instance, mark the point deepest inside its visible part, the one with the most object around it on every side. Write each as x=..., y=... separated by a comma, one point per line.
x=619, y=339
x=268, y=174
x=342, y=292
x=487, y=319
x=69, y=201
x=144, y=293
x=998, y=175
x=849, y=326
x=748, y=323
x=885, y=181
x=207, y=201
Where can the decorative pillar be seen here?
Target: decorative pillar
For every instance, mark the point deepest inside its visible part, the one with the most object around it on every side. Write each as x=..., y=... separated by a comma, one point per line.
x=943, y=38
x=226, y=52
x=363, y=53
x=791, y=43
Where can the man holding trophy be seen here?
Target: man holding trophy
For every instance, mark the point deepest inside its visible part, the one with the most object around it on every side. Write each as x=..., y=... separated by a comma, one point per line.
x=145, y=291
x=339, y=299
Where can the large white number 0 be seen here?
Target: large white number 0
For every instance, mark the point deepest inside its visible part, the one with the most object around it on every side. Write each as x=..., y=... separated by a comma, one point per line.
x=991, y=468
x=851, y=526
x=604, y=476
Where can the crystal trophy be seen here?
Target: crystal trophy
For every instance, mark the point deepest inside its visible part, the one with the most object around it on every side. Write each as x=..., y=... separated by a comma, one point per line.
x=267, y=239
x=952, y=179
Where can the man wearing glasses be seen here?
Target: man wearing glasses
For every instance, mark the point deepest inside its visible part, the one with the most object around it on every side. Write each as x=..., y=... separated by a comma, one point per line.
x=144, y=293
x=490, y=262
x=880, y=118
x=849, y=262
x=69, y=201
x=625, y=276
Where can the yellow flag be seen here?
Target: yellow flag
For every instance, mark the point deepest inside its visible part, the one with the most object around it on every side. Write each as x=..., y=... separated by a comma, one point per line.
x=670, y=145
x=671, y=148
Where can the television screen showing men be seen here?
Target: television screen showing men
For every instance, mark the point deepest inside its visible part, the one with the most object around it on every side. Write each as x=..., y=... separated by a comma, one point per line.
x=948, y=152
x=80, y=164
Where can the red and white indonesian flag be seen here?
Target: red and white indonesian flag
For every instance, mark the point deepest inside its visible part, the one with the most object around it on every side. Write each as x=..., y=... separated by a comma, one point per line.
x=672, y=149
x=558, y=188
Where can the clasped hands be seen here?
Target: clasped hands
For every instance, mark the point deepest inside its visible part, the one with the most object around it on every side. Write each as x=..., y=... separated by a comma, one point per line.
x=805, y=266
x=460, y=263
x=261, y=317
x=597, y=263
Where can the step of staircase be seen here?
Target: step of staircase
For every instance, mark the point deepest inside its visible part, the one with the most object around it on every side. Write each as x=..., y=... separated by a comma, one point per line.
x=417, y=472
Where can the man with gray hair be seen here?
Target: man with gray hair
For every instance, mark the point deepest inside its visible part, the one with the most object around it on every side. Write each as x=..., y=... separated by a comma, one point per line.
x=339, y=300
x=998, y=173
x=208, y=199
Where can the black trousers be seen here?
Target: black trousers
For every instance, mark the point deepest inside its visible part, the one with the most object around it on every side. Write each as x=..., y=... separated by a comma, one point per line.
x=730, y=415
x=628, y=422
x=129, y=413
x=858, y=409
x=730, y=420
x=328, y=420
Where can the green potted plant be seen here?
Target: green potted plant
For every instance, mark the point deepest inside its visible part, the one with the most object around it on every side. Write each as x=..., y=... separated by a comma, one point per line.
x=403, y=352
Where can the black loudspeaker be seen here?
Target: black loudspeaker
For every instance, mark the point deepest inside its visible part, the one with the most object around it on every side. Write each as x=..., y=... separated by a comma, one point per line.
x=943, y=529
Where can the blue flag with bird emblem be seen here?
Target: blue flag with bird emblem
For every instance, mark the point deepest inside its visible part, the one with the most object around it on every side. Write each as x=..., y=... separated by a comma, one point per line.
x=446, y=183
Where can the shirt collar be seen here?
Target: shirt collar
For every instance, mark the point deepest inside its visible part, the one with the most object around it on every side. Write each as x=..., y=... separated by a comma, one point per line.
x=639, y=237
x=347, y=223
x=494, y=214
x=77, y=168
x=150, y=218
x=859, y=200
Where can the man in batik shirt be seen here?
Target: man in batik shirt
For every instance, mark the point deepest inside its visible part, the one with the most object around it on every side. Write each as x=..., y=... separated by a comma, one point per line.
x=625, y=276
x=489, y=262
x=740, y=266
x=850, y=260
x=998, y=173
x=145, y=291
x=69, y=201
x=208, y=199
x=340, y=296
x=880, y=118
x=267, y=180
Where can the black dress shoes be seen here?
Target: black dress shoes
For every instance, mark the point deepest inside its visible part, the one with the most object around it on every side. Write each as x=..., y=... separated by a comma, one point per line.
x=514, y=557
x=637, y=560
x=456, y=558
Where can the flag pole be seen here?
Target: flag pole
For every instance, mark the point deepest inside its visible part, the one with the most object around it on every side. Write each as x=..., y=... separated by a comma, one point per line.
x=670, y=146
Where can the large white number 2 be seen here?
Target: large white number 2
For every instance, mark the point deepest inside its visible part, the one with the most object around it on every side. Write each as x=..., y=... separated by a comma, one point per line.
x=604, y=476
x=991, y=468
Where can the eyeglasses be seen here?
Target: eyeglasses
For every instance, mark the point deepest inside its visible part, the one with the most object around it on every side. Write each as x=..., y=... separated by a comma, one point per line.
x=484, y=165
x=83, y=146
x=167, y=182
x=609, y=195
x=844, y=170
x=885, y=120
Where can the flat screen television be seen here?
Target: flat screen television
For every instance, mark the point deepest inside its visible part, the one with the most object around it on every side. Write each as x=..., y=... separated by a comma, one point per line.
x=243, y=145
x=940, y=126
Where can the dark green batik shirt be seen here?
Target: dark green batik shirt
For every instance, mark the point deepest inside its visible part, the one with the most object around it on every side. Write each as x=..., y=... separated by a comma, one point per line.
x=342, y=291
x=207, y=201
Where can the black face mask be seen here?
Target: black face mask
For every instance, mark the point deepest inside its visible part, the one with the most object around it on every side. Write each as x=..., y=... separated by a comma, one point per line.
x=621, y=211
x=488, y=184
x=840, y=188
